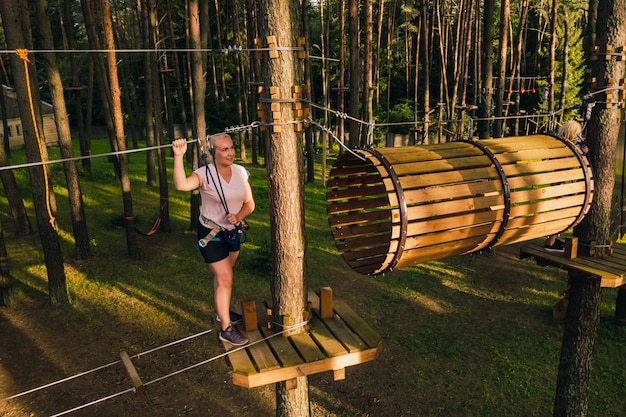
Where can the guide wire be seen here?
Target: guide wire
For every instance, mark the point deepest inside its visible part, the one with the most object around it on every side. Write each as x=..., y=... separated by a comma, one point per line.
x=155, y=380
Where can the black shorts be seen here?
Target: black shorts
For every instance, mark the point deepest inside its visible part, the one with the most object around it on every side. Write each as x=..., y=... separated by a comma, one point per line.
x=216, y=249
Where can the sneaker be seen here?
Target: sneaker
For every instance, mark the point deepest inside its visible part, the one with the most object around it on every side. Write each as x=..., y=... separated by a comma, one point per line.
x=232, y=336
x=234, y=318
x=558, y=246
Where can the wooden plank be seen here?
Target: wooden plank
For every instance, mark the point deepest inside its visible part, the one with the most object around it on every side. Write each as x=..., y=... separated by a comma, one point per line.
x=459, y=221
x=377, y=241
x=533, y=154
x=132, y=373
x=360, y=204
x=260, y=352
x=366, y=253
x=342, y=333
x=361, y=230
x=463, y=205
x=283, y=350
x=454, y=164
x=545, y=178
x=451, y=235
x=239, y=360
x=356, y=192
x=548, y=165
x=353, y=181
x=551, y=191
x=358, y=218
x=324, y=338
x=421, y=195
x=450, y=177
x=306, y=347
x=547, y=205
x=359, y=326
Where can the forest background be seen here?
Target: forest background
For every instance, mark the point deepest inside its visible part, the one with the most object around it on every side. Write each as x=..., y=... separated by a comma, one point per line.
x=424, y=70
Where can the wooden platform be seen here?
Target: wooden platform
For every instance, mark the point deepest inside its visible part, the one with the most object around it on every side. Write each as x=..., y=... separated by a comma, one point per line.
x=610, y=269
x=331, y=344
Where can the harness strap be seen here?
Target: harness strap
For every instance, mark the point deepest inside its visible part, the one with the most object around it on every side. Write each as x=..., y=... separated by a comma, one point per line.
x=209, y=224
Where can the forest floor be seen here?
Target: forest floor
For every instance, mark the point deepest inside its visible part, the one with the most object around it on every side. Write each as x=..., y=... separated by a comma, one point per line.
x=469, y=335
x=448, y=350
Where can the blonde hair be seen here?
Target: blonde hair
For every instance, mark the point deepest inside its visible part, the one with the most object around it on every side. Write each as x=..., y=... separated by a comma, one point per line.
x=571, y=131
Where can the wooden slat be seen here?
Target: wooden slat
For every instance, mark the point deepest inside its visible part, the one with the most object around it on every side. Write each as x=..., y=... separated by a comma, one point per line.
x=550, y=165
x=361, y=230
x=260, y=352
x=533, y=154
x=375, y=241
x=342, y=334
x=452, y=177
x=307, y=347
x=451, y=235
x=445, y=192
x=547, y=205
x=283, y=350
x=553, y=191
x=454, y=164
x=239, y=360
x=456, y=221
x=357, y=324
x=545, y=178
x=358, y=218
x=352, y=181
x=538, y=218
x=443, y=208
x=360, y=204
x=355, y=192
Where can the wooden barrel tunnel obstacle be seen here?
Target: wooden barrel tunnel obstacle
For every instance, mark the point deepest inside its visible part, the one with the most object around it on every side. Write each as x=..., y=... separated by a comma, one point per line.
x=394, y=207
x=336, y=338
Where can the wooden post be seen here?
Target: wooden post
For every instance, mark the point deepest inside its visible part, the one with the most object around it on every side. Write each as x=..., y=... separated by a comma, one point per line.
x=326, y=303
x=248, y=311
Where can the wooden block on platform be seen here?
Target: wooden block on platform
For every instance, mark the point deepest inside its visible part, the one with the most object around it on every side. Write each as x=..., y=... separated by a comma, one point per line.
x=571, y=247
x=248, y=311
x=326, y=302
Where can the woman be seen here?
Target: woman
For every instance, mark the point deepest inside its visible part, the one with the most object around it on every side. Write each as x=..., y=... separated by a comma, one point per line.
x=226, y=201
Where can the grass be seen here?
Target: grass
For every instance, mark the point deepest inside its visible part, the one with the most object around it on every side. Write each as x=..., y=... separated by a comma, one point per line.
x=464, y=336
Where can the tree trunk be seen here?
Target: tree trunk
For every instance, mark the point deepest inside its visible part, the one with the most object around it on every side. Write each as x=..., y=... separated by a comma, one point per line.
x=77, y=208
x=355, y=72
x=505, y=12
x=12, y=193
x=368, y=113
x=70, y=43
x=116, y=106
x=484, y=106
x=25, y=79
x=424, y=52
x=198, y=83
x=149, y=61
x=552, y=62
x=579, y=334
x=285, y=175
x=6, y=280
x=154, y=37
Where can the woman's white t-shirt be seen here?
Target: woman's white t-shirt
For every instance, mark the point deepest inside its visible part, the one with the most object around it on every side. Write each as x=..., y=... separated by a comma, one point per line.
x=235, y=192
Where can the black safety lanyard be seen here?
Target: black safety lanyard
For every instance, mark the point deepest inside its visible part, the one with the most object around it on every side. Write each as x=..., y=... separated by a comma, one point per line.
x=220, y=192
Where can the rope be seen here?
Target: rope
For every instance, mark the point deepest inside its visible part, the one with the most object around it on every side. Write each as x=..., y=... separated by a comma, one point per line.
x=99, y=368
x=23, y=54
x=227, y=50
